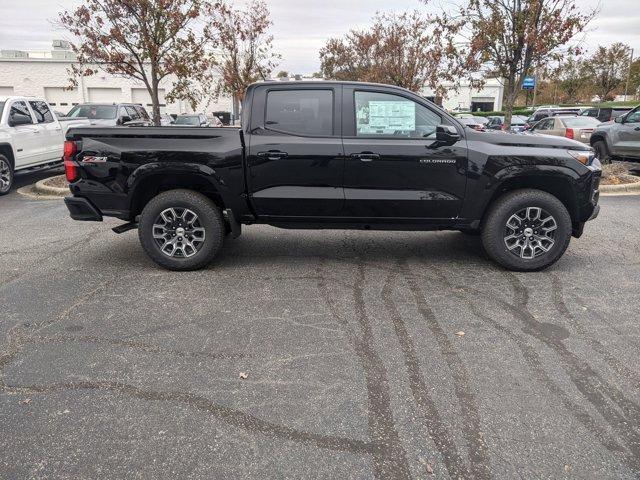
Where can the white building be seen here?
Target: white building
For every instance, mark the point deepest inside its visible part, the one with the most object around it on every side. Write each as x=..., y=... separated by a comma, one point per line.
x=487, y=99
x=45, y=74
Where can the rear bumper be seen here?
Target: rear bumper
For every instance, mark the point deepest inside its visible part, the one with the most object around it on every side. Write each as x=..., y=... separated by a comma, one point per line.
x=82, y=209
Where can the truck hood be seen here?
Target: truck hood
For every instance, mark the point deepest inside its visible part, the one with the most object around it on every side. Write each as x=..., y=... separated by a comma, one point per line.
x=531, y=140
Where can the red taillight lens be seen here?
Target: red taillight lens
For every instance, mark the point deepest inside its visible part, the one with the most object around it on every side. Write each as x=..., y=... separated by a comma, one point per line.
x=70, y=167
x=569, y=133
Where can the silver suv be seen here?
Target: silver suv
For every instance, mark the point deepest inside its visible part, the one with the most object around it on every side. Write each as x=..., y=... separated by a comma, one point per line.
x=618, y=139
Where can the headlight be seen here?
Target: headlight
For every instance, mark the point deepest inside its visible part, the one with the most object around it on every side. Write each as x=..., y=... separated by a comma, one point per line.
x=584, y=157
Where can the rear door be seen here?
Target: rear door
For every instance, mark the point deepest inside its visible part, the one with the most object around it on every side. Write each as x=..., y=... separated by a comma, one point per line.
x=394, y=168
x=295, y=155
x=25, y=138
x=50, y=131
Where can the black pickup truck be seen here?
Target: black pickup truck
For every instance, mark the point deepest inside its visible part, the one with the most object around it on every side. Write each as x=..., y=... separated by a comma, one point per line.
x=334, y=155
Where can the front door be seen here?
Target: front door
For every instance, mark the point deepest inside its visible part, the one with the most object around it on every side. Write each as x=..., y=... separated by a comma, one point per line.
x=394, y=168
x=628, y=135
x=295, y=159
x=26, y=138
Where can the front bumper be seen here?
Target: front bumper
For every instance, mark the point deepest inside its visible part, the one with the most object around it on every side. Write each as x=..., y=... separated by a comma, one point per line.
x=82, y=209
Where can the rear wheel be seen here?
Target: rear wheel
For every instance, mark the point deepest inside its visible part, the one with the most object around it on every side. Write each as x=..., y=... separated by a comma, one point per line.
x=181, y=230
x=6, y=175
x=527, y=230
x=602, y=152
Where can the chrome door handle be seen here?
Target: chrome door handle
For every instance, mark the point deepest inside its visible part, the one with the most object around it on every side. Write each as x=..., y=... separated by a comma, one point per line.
x=273, y=155
x=366, y=156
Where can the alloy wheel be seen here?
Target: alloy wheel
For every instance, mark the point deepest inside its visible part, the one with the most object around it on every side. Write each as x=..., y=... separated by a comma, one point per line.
x=5, y=176
x=530, y=232
x=178, y=232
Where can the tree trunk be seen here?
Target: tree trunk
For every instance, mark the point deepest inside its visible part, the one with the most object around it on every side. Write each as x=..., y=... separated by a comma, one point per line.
x=510, y=94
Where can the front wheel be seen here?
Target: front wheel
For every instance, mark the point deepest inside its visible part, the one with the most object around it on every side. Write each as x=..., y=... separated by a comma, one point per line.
x=602, y=152
x=6, y=175
x=526, y=230
x=181, y=230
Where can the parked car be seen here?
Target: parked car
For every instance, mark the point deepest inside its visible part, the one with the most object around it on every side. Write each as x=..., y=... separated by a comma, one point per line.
x=545, y=113
x=576, y=128
x=472, y=122
x=605, y=114
x=518, y=123
x=166, y=120
x=30, y=136
x=380, y=158
x=618, y=139
x=112, y=114
x=196, y=120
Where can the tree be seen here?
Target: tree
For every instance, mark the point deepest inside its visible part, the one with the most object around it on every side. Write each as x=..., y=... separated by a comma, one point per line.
x=509, y=37
x=634, y=78
x=145, y=40
x=282, y=74
x=572, y=78
x=398, y=49
x=245, y=47
x=608, y=69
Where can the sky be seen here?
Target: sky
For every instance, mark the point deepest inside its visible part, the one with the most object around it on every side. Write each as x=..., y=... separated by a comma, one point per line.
x=302, y=27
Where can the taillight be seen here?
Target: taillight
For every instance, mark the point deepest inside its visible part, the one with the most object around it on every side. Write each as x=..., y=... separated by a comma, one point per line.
x=569, y=133
x=70, y=167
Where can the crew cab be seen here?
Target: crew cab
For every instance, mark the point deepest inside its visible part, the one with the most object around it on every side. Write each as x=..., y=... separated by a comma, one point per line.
x=619, y=139
x=334, y=155
x=30, y=136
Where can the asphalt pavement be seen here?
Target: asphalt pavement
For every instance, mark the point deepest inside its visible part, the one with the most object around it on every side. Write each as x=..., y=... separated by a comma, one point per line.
x=350, y=345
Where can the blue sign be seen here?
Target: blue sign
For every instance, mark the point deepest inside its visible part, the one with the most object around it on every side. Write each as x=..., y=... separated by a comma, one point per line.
x=529, y=83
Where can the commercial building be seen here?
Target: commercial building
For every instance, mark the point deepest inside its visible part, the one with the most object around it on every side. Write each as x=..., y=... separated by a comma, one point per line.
x=46, y=74
x=465, y=98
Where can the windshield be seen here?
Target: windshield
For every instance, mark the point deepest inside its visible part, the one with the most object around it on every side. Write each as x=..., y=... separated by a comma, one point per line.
x=94, y=112
x=581, y=122
x=187, y=120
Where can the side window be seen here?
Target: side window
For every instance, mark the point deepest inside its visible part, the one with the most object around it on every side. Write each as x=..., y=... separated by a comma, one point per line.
x=132, y=112
x=633, y=117
x=383, y=114
x=544, y=124
x=19, y=110
x=41, y=111
x=301, y=112
x=143, y=113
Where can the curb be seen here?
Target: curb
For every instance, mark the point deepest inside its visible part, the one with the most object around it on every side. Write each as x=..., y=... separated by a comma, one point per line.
x=43, y=189
x=624, y=189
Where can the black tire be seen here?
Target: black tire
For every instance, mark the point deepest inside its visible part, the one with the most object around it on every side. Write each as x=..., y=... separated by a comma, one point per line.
x=209, y=219
x=6, y=175
x=602, y=152
x=495, y=230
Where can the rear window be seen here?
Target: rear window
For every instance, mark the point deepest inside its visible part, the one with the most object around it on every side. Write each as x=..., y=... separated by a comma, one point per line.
x=581, y=122
x=41, y=111
x=94, y=112
x=300, y=112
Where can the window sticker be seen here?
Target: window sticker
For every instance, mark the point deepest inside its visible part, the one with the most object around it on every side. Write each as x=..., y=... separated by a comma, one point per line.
x=386, y=117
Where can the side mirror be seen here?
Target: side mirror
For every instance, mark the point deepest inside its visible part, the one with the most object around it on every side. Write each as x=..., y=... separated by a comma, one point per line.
x=124, y=119
x=447, y=134
x=19, y=119
x=619, y=119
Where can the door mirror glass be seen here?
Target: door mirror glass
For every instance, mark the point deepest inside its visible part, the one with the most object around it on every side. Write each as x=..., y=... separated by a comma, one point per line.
x=619, y=119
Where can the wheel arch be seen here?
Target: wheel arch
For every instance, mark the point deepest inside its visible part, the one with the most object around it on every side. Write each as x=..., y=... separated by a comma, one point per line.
x=560, y=187
x=7, y=151
x=150, y=185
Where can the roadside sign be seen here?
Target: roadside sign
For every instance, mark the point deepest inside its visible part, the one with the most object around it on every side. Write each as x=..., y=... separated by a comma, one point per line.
x=529, y=83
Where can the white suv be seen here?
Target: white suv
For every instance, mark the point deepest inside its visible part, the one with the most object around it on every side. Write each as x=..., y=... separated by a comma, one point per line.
x=30, y=135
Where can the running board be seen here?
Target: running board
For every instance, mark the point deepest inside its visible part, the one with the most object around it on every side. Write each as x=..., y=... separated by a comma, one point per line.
x=125, y=227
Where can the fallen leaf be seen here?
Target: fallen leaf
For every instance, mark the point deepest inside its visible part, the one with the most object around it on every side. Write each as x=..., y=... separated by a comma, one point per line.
x=460, y=333
x=429, y=468
x=244, y=375
x=26, y=401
